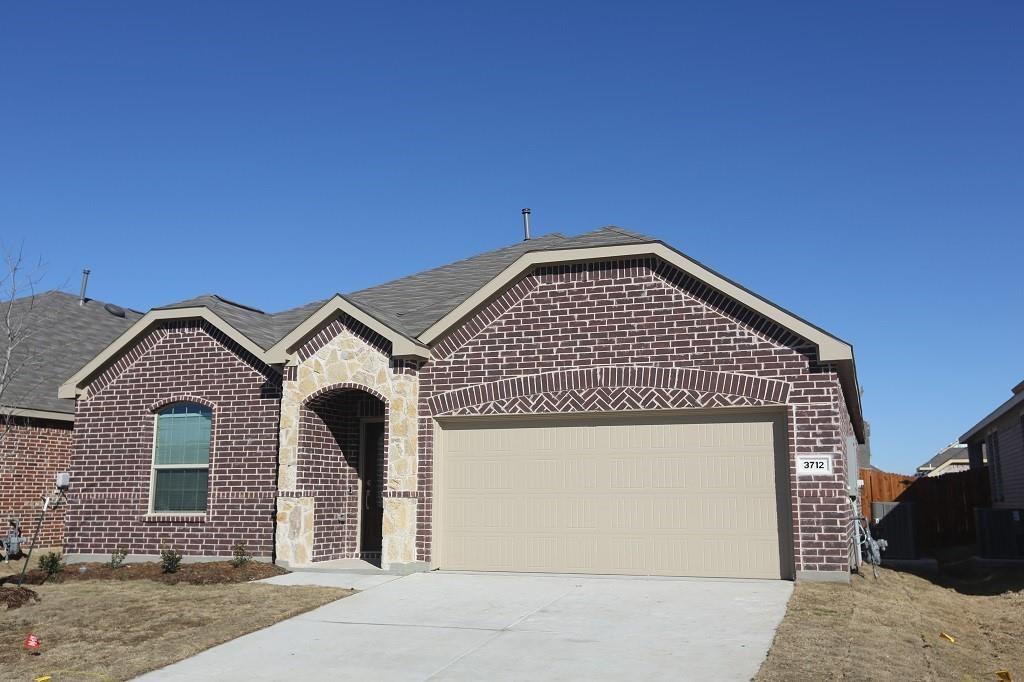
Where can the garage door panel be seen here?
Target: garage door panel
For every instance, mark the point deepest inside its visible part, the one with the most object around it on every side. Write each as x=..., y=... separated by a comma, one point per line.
x=671, y=499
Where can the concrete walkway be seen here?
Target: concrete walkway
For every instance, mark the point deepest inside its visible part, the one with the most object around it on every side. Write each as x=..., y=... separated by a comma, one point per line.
x=495, y=626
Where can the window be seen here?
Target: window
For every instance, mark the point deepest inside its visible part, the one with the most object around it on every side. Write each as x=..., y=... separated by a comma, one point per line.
x=181, y=461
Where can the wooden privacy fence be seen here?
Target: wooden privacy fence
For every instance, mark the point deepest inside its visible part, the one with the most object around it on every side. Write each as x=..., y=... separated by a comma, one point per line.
x=943, y=505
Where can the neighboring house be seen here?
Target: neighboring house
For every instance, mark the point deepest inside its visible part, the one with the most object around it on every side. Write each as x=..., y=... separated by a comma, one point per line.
x=599, y=403
x=35, y=426
x=998, y=440
x=949, y=460
x=864, y=448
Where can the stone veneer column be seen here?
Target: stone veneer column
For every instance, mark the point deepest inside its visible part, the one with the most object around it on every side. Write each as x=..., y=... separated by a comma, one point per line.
x=348, y=361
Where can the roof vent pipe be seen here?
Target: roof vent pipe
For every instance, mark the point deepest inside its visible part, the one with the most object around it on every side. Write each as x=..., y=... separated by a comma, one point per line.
x=85, y=283
x=526, y=224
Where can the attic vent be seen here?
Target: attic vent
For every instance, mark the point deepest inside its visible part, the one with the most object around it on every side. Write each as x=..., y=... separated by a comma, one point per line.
x=115, y=310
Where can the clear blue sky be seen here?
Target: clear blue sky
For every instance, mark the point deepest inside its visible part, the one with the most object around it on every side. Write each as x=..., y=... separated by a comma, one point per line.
x=861, y=164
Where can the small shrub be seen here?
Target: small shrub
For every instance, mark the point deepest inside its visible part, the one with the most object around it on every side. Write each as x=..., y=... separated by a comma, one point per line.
x=118, y=556
x=52, y=563
x=169, y=559
x=240, y=555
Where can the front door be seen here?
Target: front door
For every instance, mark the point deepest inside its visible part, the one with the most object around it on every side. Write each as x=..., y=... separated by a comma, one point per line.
x=371, y=461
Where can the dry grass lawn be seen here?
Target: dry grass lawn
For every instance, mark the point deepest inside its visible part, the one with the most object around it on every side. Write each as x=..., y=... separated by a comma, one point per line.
x=890, y=629
x=114, y=630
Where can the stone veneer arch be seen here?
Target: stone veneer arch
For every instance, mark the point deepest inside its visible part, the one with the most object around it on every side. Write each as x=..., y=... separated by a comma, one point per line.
x=342, y=386
x=340, y=357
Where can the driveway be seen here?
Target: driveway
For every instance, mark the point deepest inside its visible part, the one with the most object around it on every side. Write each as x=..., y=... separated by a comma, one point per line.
x=500, y=626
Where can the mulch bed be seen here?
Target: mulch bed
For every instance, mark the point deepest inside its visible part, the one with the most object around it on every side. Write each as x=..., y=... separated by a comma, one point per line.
x=14, y=597
x=204, y=573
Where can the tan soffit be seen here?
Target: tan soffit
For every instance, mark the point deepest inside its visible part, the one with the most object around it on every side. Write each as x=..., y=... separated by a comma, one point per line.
x=72, y=388
x=829, y=347
x=401, y=345
x=37, y=414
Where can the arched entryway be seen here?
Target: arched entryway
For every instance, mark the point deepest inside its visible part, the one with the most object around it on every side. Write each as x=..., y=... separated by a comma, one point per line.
x=342, y=458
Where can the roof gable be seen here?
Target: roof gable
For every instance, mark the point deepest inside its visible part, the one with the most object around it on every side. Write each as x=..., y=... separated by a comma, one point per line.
x=413, y=304
x=950, y=452
x=414, y=312
x=830, y=348
x=74, y=385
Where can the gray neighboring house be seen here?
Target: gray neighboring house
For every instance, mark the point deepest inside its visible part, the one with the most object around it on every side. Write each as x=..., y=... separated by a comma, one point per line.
x=949, y=460
x=864, y=449
x=999, y=439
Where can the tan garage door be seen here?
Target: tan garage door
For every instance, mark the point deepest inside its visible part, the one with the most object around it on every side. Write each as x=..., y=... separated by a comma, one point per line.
x=609, y=497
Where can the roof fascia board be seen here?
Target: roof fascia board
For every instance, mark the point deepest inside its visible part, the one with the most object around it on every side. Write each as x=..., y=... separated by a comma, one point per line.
x=17, y=412
x=847, y=372
x=993, y=416
x=72, y=388
x=401, y=346
x=955, y=461
x=830, y=348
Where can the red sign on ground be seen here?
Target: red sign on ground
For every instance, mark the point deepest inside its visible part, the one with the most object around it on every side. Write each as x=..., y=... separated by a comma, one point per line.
x=32, y=642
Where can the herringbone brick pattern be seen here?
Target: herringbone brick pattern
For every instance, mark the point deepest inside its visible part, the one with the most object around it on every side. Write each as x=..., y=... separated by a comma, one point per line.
x=608, y=400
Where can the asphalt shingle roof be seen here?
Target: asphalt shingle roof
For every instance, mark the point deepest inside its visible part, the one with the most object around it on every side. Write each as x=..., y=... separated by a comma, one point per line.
x=411, y=304
x=254, y=323
x=64, y=337
x=948, y=453
x=69, y=335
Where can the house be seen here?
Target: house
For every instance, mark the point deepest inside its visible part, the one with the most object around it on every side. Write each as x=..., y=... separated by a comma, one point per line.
x=599, y=403
x=998, y=440
x=949, y=460
x=36, y=426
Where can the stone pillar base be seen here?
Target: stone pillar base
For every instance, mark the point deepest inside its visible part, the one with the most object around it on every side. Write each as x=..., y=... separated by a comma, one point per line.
x=399, y=531
x=293, y=540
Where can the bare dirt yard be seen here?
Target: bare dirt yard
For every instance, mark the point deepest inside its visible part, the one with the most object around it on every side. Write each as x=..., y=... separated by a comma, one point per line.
x=100, y=628
x=891, y=629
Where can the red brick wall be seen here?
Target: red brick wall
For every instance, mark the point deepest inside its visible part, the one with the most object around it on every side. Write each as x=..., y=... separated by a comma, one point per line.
x=32, y=452
x=642, y=327
x=113, y=447
x=328, y=467
x=633, y=335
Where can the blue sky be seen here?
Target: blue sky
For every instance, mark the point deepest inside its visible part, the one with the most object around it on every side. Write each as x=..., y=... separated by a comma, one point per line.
x=861, y=164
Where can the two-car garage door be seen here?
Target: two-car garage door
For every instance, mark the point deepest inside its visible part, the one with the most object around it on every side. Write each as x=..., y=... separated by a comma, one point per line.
x=650, y=497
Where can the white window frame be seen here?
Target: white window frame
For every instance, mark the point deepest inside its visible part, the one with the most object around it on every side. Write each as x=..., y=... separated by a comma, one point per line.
x=154, y=467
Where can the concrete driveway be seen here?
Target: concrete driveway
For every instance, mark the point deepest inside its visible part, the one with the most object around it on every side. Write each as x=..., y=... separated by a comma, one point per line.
x=499, y=626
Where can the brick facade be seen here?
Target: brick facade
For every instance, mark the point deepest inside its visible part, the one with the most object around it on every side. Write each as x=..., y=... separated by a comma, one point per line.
x=113, y=447
x=624, y=336
x=639, y=335
x=329, y=442
x=32, y=453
